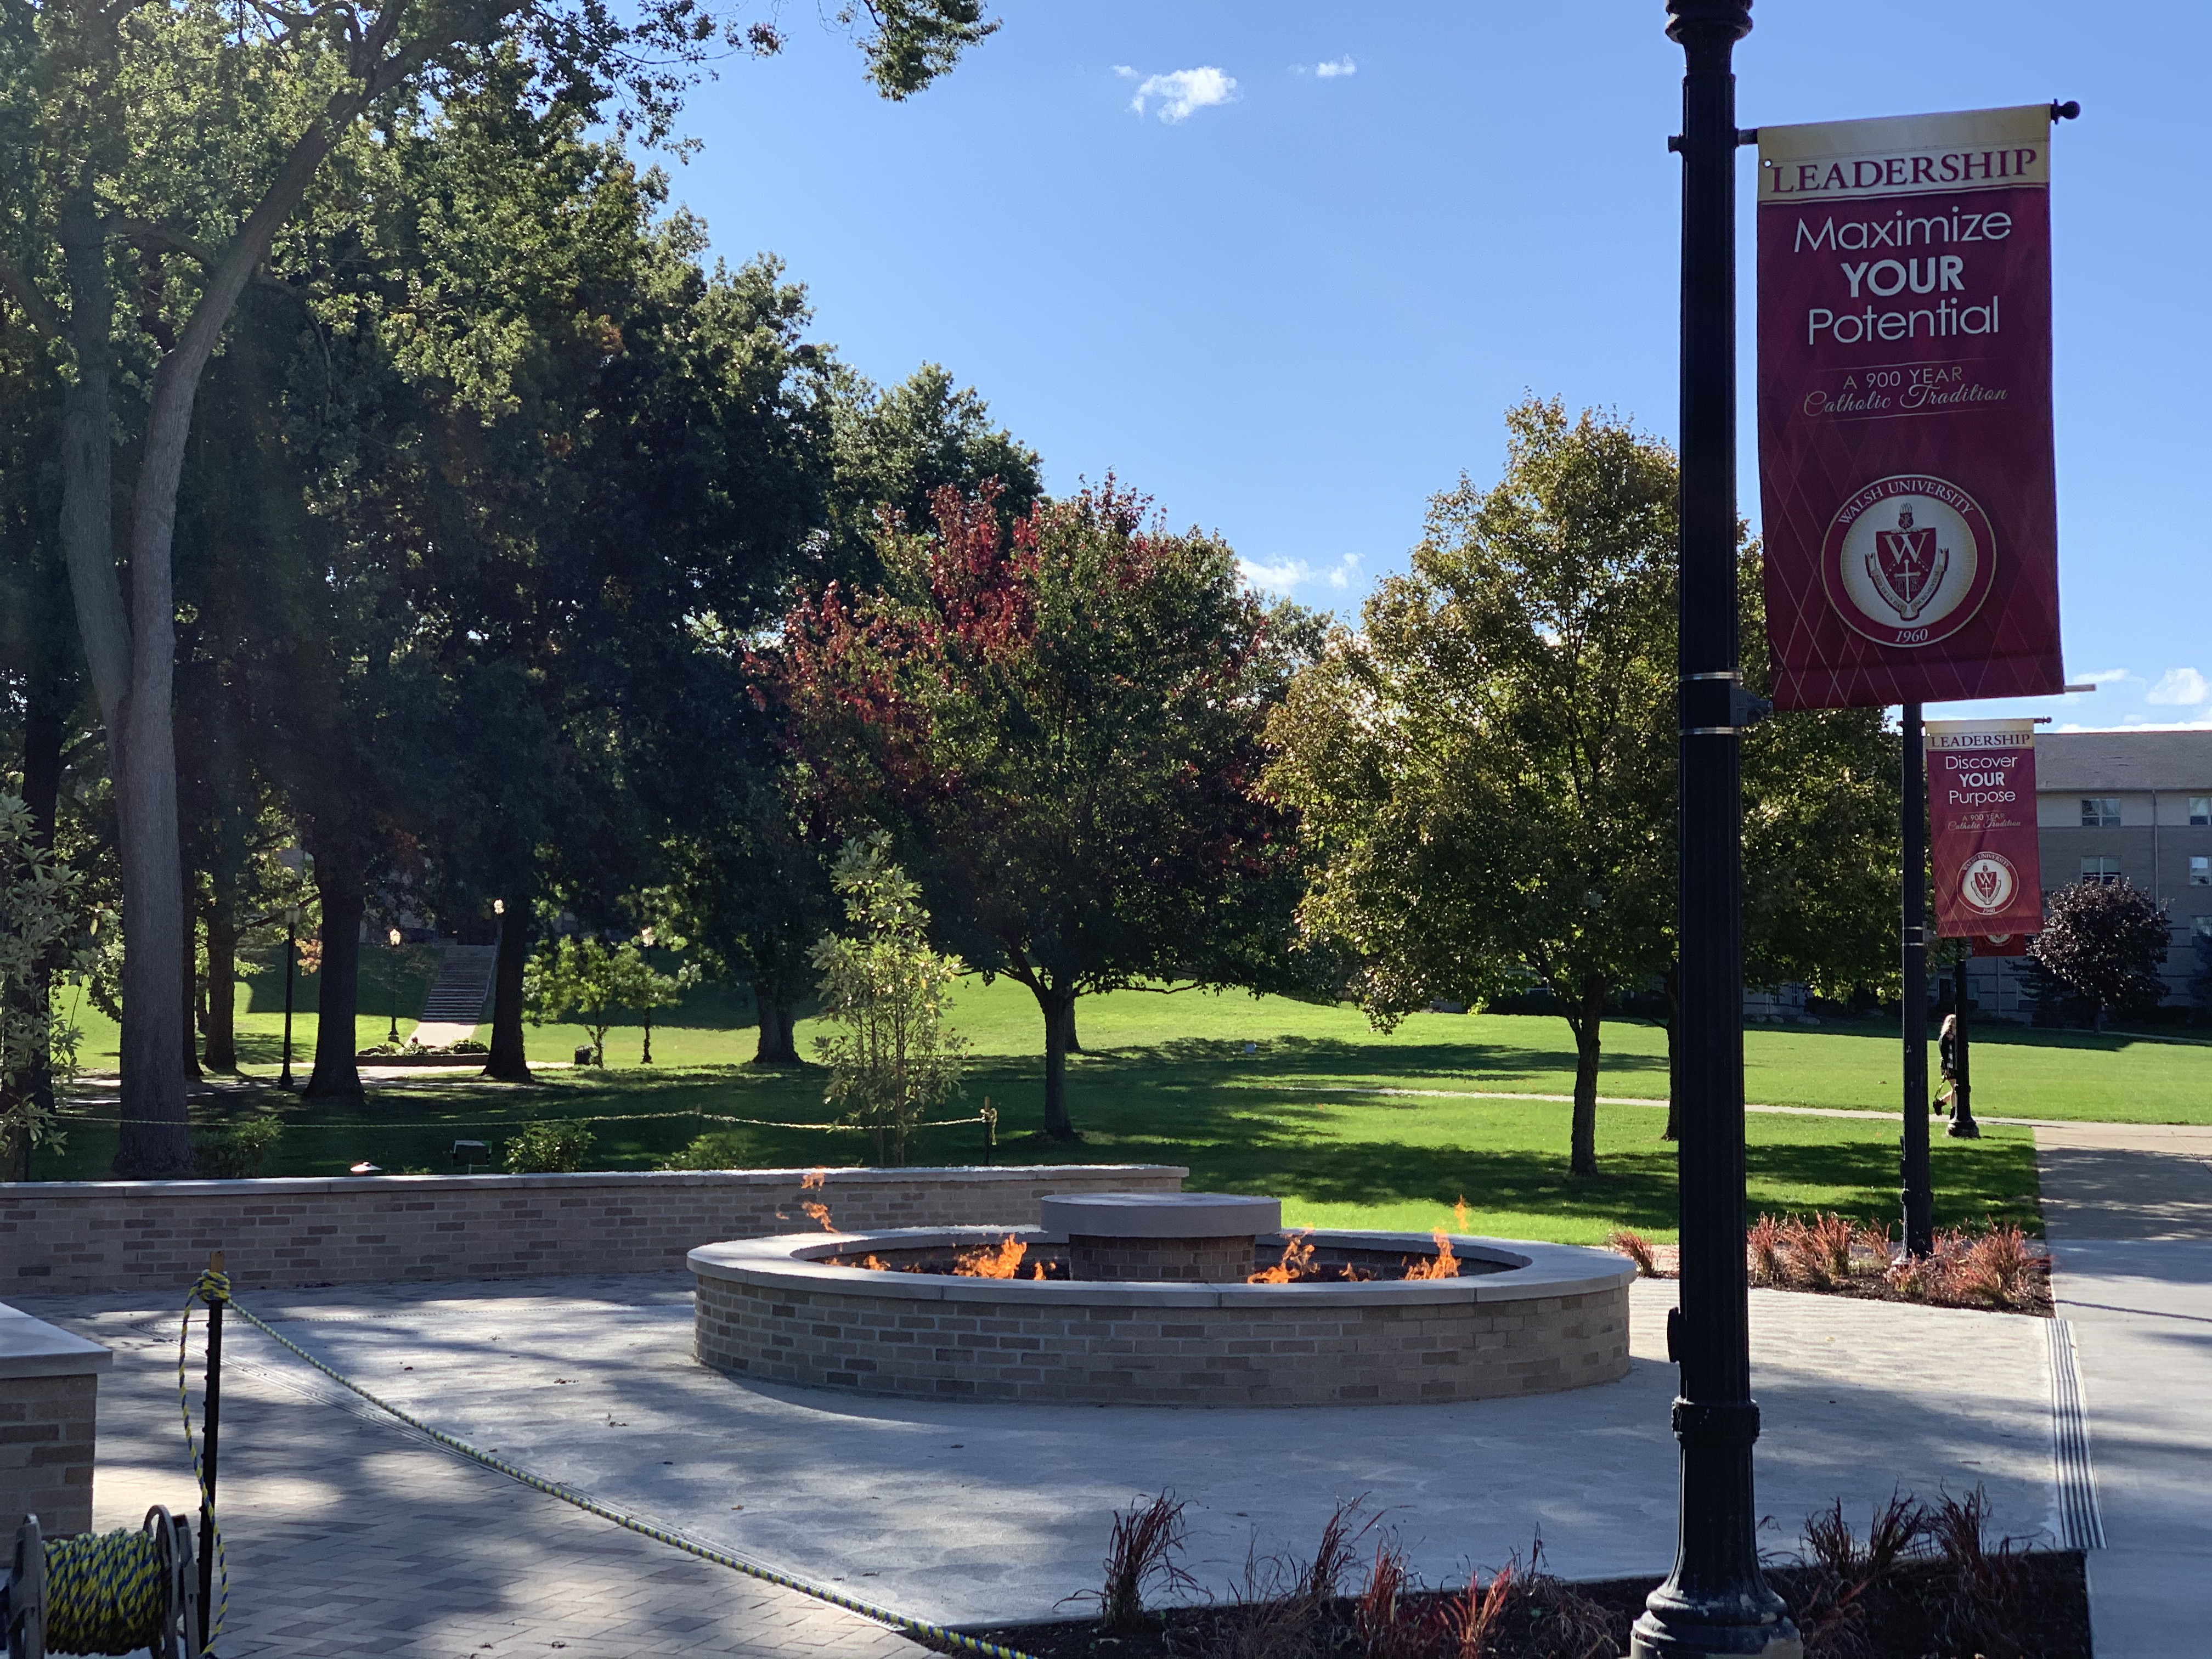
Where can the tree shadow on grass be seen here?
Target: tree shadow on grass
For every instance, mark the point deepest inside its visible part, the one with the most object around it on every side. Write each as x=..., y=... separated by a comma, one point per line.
x=1202, y=1060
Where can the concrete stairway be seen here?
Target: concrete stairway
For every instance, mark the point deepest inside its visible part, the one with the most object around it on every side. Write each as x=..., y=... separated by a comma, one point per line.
x=455, y=1006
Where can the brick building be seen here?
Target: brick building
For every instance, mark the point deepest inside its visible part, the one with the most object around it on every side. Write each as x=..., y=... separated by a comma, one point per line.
x=2122, y=805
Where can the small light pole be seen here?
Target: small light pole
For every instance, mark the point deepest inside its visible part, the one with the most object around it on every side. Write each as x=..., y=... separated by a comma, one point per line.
x=1917, y=1187
x=291, y=964
x=1963, y=1125
x=391, y=981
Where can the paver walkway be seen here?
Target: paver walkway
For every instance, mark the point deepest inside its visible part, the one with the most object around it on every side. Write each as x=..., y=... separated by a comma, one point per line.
x=348, y=1536
x=2128, y=1208
x=960, y=1512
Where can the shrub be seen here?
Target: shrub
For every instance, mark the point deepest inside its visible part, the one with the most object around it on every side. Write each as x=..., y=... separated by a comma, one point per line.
x=884, y=996
x=2001, y=1268
x=235, y=1152
x=549, y=1148
x=1637, y=1248
x=1142, y=1554
x=720, y=1149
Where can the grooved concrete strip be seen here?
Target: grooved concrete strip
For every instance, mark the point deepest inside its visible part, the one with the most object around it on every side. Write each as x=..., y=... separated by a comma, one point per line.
x=959, y=1513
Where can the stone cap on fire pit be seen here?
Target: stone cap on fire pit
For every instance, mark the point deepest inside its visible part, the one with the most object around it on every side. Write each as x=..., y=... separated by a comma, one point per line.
x=1160, y=1215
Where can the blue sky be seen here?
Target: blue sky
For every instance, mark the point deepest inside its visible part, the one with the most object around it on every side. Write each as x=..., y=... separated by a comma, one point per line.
x=1282, y=266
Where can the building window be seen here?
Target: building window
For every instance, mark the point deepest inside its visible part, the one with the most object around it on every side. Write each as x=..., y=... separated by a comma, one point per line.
x=2200, y=871
x=2204, y=929
x=2101, y=812
x=2104, y=870
x=2200, y=810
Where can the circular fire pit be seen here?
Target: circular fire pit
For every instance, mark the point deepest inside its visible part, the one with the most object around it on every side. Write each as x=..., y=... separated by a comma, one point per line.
x=994, y=1313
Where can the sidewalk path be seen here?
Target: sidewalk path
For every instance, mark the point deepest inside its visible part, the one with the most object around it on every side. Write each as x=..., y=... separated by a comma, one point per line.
x=348, y=1536
x=2128, y=1208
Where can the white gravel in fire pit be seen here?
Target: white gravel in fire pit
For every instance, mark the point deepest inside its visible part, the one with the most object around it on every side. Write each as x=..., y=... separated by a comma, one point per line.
x=963, y=1513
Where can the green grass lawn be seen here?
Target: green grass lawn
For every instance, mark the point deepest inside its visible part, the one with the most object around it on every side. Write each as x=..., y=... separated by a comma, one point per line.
x=1166, y=1078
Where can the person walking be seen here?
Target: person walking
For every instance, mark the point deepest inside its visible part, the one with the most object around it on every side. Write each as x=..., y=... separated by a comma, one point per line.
x=1946, y=1056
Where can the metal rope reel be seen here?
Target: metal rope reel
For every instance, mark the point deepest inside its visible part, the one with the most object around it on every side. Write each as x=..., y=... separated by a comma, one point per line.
x=133, y=1591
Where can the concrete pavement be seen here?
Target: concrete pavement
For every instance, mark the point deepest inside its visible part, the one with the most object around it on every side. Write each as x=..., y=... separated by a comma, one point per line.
x=960, y=1512
x=2128, y=1208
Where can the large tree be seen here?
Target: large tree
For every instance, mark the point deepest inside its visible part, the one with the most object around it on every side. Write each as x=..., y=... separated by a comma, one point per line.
x=750, y=860
x=158, y=155
x=1485, y=769
x=1062, y=727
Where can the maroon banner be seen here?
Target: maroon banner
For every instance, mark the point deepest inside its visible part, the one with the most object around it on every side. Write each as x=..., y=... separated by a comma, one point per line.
x=1904, y=439
x=2001, y=945
x=1981, y=814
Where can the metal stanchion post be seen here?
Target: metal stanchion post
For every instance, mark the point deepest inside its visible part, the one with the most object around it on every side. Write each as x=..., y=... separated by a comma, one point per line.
x=209, y=1428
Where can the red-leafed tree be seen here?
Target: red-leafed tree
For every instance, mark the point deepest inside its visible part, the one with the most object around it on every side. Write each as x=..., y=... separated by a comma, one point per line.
x=1063, y=727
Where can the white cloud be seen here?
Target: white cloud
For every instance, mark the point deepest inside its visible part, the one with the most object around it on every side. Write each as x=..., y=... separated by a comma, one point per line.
x=1278, y=578
x=2100, y=677
x=1125, y=72
x=1331, y=68
x=1285, y=574
x=2183, y=688
x=1183, y=91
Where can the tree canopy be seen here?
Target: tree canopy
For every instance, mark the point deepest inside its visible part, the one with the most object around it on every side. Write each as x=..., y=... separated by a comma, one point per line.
x=1485, y=769
x=1062, y=725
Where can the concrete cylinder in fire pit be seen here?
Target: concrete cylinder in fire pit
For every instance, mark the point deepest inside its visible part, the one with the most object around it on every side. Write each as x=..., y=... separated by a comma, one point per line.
x=1175, y=1238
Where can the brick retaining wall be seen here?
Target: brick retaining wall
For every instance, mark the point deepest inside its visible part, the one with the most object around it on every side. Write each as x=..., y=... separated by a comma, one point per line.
x=78, y=1236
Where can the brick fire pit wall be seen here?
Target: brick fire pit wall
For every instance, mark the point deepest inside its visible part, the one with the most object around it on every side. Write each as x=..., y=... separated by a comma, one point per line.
x=1554, y=1317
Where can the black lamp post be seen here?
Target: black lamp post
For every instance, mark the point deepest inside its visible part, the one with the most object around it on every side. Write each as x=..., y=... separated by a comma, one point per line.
x=1715, y=1601
x=291, y=961
x=1917, y=1185
x=391, y=981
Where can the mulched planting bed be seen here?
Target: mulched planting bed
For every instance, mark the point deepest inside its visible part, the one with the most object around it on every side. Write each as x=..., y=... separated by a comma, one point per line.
x=2046, y=1616
x=2000, y=1270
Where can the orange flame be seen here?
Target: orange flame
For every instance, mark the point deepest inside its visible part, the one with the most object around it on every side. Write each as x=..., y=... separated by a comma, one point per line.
x=874, y=1264
x=1036, y=1270
x=1297, y=1259
x=813, y=1180
x=1459, y=1214
x=1442, y=1265
x=819, y=1214
x=1000, y=1260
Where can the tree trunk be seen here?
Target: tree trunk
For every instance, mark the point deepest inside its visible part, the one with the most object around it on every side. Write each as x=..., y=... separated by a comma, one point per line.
x=1059, y=1010
x=336, y=1075
x=645, y=1055
x=1074, y=1043
x=221, y=1053
x=778, y=1019
x=43, y=731
x=131, y=656
x=1588, y=1024
x=191, y=959
x=1671, y=982
x=508, y=1060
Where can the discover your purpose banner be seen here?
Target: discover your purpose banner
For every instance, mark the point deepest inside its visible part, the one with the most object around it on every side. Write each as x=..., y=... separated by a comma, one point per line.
x=1981, y=811
x=1905, y=435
